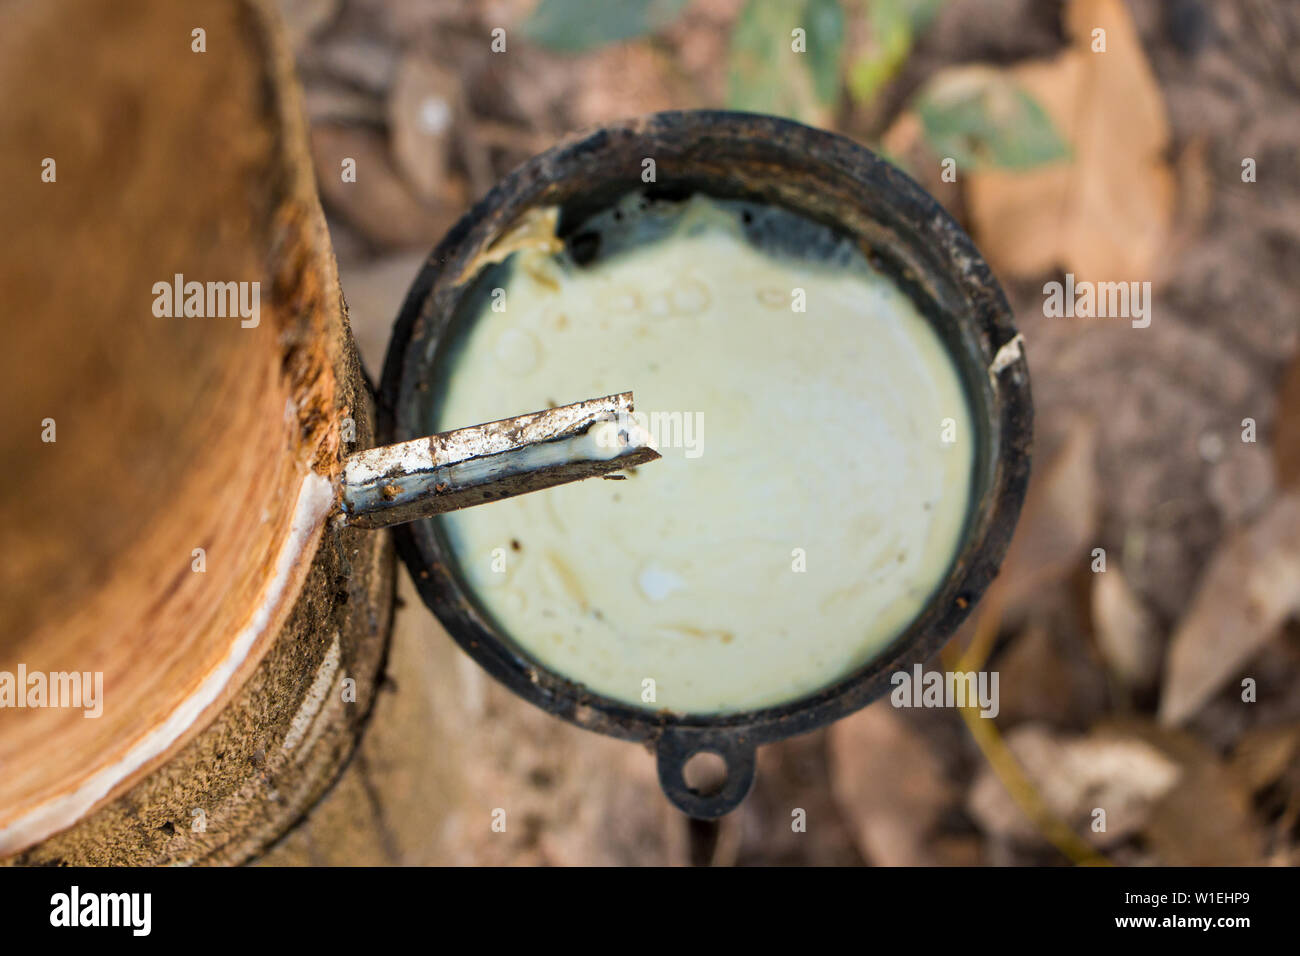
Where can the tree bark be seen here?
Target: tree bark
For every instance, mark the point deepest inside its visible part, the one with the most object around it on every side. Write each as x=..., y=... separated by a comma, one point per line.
x=236, y=678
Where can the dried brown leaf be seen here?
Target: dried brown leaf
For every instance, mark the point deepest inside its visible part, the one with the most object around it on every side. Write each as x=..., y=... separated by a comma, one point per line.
x=890, y=786
x=1125, y=630
x=1049, y=673
x=1057, y=523
x=1286, y=443
x=1263, y=754
x=1105, y=214
x=1251, y=587
x=1076, y=776
x=1207, y=819
x=793, y=784
x=423, y=108
x=380, y=203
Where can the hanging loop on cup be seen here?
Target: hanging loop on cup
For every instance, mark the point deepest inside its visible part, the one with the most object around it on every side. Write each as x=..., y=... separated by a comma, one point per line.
x=712, y=799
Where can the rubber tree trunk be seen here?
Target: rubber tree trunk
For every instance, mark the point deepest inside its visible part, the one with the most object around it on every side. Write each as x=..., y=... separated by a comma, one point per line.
x=168, y=489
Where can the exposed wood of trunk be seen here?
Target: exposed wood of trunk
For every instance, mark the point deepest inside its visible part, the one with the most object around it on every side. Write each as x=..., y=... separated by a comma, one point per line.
x=224, y=714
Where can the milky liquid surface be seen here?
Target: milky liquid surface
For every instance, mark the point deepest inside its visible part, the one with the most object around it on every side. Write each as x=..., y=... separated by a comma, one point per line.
x=818, y=503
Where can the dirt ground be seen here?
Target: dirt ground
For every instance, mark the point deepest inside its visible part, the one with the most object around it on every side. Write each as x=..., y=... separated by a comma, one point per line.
x=1120, y=689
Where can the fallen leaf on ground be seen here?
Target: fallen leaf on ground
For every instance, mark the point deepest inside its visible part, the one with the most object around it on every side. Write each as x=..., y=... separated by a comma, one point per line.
x=981, y=117
x=1250, y=588
x=1286, y=443
x=1125, y=630
x=791, y=816
x=422, y=109
x=890, y=786
x=1050, y=674
x=380, y=203
x=360, y=62
x=1057, y=522
x=1076, y=776
x=1105, y=214
x=1207, y=819
x=1263, y=754
x=337, y=103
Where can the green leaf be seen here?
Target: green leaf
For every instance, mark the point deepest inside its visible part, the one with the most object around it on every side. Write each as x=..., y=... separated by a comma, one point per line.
x=824, y=22
x=765, y=74
x=985, y=119
x=573, y=26
x=894, y=26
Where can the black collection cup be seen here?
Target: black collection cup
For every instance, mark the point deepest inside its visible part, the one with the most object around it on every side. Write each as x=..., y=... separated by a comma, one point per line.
x=825, y=178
